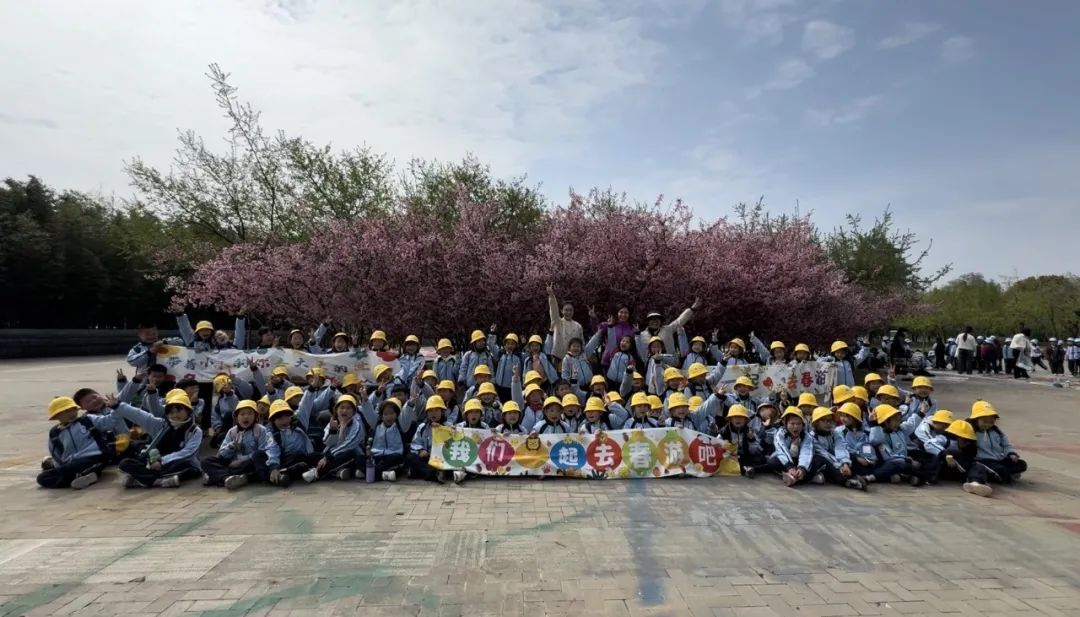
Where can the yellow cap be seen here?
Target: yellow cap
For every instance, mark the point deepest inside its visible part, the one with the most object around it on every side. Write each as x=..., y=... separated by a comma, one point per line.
x=529, y=389
x=860, y=393
x=594, y=404
x=509, y=406
x=412, y=338
x=614, y=397
x=477, y=336
x=738, y=411
x=840, y=394
x=536, y=339
x=837, y=346
x=802, y=347
x=655, y=403
x=807, y=398
x=851, y=409
x=698, y=339
x=347, y=398
x=61, y=404
x=672, y=373
x=485, y=388
x=444, y=343
x=655, y=339
x=246, y=404
x=532, y=377
x=350, y=379
x=871, y=377
x=637, y=375
x=777, y=345
x=204, y=325
x=820, y=413
x=316, y=371
x=743, y=380
x=280, y=371
x=739, y=342
x=340, y=335
x=178, y=397
x=279, y=406
x=961, y=429
x=942, y=415
x=922, y=382
x=695, y=402
x=390, y=403
x=434, y=402
x=511, y=337
x=292, y=391
x=219, y=382
x=570, y=400
x=597, y=380
x=793, y=411
x=473, y=404
x=677, y=399
x=639, y=398
x=428, y=374
x=377, y=335
x=265, y=400
x=883, y=412
x=380, y=370
x=983, y=409
x=552, y=400
x=888, y=390
x=446, y=384
x=696, y=370
x=482, y=369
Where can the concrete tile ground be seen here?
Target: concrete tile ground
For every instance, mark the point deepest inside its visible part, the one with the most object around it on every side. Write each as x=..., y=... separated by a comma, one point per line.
x=715, y=547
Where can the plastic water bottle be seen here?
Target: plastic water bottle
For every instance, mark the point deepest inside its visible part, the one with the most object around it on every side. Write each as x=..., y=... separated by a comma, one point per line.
x=370, y=464
x=152, y=456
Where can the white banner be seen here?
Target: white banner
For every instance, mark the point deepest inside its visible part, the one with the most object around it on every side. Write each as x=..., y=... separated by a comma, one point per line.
x=816, y=377
x=185, y=363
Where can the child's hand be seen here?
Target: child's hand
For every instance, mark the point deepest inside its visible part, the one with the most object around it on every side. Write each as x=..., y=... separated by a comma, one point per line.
x=334, y=424
x=1014, y=457
x=275, y=476
x=424, y=454
x=715, y=335
x=210, y=433
x=156, y=466
x=516, y=371
x=111, y=400
x=592, y=312
x=550, y=288
x=236, y=464
x=156, y=347
x=799, y=474
x=492, y=329
x=719, y=389
x=252, y=364
x=120, y=376
x=924, y=407
x=845, y=470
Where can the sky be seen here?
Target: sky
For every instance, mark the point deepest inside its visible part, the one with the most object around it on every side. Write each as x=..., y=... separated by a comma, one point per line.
x=956, y=115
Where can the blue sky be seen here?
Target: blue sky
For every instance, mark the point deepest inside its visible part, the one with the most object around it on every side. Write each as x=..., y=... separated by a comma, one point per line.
x=961, y=115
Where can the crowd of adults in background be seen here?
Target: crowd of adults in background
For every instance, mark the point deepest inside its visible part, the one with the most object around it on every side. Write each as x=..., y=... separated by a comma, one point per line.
x=1019, y=355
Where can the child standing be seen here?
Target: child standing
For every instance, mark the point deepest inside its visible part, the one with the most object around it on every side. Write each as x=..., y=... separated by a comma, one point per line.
x=476, y=357
x=446, y=365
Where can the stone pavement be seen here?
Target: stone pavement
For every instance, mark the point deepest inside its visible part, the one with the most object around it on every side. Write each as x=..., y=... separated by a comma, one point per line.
x=702, y=547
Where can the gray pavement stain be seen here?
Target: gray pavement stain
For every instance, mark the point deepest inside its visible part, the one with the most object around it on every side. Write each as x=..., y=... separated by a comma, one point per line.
x=41, y=596
x=646, y=566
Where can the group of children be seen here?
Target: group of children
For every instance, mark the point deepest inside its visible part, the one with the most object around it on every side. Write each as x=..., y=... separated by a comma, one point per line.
x=276, y=431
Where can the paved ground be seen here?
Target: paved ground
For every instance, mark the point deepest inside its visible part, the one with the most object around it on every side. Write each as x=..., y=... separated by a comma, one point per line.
x=724, y=546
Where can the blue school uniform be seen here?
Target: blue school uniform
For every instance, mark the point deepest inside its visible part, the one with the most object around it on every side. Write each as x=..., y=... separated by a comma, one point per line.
x=446, y=369
x=993, y=444
x=782, y=443
x=157, y=428
x=242, y=445
x=83, y=438
x=545, y=427
x=832, y=448
x=286, y=443
x=857, y=443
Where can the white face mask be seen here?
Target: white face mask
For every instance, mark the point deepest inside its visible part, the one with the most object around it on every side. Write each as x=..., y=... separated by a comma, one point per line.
x=178, y=423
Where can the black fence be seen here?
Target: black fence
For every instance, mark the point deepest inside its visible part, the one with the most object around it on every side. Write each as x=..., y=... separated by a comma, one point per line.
x=17, y=343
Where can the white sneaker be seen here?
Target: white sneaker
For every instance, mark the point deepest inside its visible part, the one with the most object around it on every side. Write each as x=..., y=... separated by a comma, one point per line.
x=895, y=478
x=1016, y=477
x=48, y=463
x=206, y=479
x=169, y=482
x=819, y=478
x=459, y=476
x=235, y=482
x=344, y=474
x=389, y=476
x=978, y=488
x=311, y=475
x=129, y=481
x=83, y=481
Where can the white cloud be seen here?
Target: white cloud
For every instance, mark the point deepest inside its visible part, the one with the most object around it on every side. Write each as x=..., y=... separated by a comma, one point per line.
x=510, y=82
x=909, y=33
x=788, y=74
x=851, y=113
x=826, y=40
x=957, y=49
x=757, y=21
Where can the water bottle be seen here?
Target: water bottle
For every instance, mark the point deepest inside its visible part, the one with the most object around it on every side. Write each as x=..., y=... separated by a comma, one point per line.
x=370, y=464
x=152, y=456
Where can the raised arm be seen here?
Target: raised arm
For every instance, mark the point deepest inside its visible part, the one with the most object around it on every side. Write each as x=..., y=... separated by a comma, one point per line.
x=184, y=324
x=240, y=333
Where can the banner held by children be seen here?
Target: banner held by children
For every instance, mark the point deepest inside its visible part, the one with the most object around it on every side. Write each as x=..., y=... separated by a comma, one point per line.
x=815, y=377
x=184, y=363
x=637, y=453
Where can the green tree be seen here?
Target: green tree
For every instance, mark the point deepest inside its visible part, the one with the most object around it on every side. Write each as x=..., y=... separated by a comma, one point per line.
x=1049, y=305
x=880, y=257
x=970, y=300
